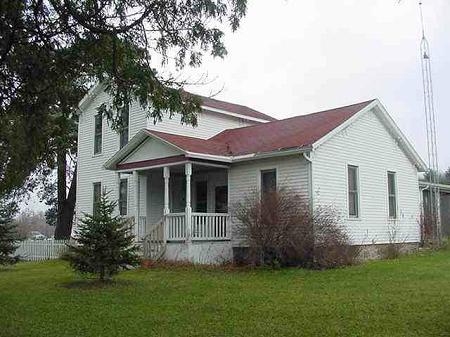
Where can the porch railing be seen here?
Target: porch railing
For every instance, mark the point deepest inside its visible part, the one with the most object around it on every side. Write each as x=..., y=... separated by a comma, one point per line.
x=176, y=226
x=210, y=226
x=204, y=226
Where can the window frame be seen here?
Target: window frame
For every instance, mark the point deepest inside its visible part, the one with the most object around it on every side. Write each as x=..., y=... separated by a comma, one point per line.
x=261, y=171
x=127, y=107
x=356, y=216
x=126, y=199
x=94, y=184
x=99, y=151
x=395, y=195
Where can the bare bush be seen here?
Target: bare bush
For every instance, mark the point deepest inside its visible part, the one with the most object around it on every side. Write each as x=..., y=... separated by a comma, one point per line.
x=332, y=247
x=391, y=250
x=279, y=229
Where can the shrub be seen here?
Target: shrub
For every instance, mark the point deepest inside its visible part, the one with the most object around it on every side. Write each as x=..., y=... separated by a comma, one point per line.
x=8, y=234
x=279, y=229
x=332, y=246
x=103, y=243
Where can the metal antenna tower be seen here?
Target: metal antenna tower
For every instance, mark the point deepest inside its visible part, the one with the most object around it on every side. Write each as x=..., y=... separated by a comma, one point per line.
x=430, y=122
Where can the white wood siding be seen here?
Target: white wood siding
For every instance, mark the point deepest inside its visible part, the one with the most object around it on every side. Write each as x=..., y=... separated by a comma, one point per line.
x=90, y=166
x=155, y=196
x=292, y=174
x=209, y=124
x=366, y=143
x=151, y=149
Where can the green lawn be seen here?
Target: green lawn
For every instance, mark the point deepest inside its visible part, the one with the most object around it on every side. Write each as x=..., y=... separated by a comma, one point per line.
x=405, y=297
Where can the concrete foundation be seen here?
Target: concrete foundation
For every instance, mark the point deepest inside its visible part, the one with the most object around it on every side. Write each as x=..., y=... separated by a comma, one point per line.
x=201, y=252
x=375, y=251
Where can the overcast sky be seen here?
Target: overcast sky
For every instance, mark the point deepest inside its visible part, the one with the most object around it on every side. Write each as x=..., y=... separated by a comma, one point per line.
x=292, y=57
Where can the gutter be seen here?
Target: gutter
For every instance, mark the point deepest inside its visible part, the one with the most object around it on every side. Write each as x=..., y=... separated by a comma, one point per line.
x=278, y=153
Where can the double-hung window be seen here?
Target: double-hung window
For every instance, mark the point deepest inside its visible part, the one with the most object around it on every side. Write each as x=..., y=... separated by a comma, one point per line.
x=268, y=181
x=353, y=191
x=123, y=197
x=98, y=130
x=97, y=189
x=124, y=127
x=392, y=195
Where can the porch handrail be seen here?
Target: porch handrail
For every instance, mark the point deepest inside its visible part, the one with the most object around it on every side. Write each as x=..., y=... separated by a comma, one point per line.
x=210, y=226
x=205, y=226
x=175, y=226
x=154, y=243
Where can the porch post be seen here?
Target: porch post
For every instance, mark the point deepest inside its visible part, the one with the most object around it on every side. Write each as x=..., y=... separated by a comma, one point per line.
x=136, y=204
x=188, y=211
x=166, y=174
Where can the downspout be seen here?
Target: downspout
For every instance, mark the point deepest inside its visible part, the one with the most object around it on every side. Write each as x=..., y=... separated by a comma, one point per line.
x=307, y=156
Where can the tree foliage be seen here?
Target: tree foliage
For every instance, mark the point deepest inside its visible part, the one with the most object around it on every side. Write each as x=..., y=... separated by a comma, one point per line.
x=8, y=233
x=52, y=51
x=104, y=244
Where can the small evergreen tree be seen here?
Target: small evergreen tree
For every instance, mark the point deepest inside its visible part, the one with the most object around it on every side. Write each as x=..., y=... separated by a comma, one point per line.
x=8, y=233
x=104, y=244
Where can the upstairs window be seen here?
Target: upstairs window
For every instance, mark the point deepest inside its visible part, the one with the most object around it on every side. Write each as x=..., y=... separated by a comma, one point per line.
x=97, y=188
x=98, y=131
x=124, y=129
x=268, y=181
x=353, y=191
x=392, y=195
x=123, y=197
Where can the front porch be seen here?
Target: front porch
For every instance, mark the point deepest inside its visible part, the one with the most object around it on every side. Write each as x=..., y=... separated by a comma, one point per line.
x=176, y=195
x=182, y=209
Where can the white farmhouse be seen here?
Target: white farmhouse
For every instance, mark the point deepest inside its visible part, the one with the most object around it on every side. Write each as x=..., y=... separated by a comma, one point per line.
x=178, y=182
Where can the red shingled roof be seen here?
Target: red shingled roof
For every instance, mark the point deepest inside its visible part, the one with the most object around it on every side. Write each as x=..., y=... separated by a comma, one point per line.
x=235, y=108
x=295, y=132
x=191, y=144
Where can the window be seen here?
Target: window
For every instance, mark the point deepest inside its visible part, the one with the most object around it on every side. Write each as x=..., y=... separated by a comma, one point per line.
x=97, y=195
x=201, y=203
x=125, y=119
x=268, y=181
x=221, y=199
x=123, y=197
x=98, y=134
x=353, y=191
x=392, y=195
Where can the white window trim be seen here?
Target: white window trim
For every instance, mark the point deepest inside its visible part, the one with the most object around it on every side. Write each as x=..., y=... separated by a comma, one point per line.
x=128, y=196
x=267, y=168
x=118, y=133
x=93, y=190
x=396, y=195
x=98, y=154
x=358, y=185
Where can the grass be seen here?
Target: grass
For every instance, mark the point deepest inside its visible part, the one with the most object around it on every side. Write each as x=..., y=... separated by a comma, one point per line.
x=405, y=297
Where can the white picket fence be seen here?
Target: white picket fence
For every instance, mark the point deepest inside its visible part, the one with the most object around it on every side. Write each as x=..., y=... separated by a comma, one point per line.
x=38, y=250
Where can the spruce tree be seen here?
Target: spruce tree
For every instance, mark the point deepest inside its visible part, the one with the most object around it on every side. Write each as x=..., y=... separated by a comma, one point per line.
x=104, y=243
x=8, y=234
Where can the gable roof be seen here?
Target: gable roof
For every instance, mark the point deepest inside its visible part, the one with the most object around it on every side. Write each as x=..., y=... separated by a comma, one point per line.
x=296, y=132
x=291, y=133
x=208, y=104
x=299, y=134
